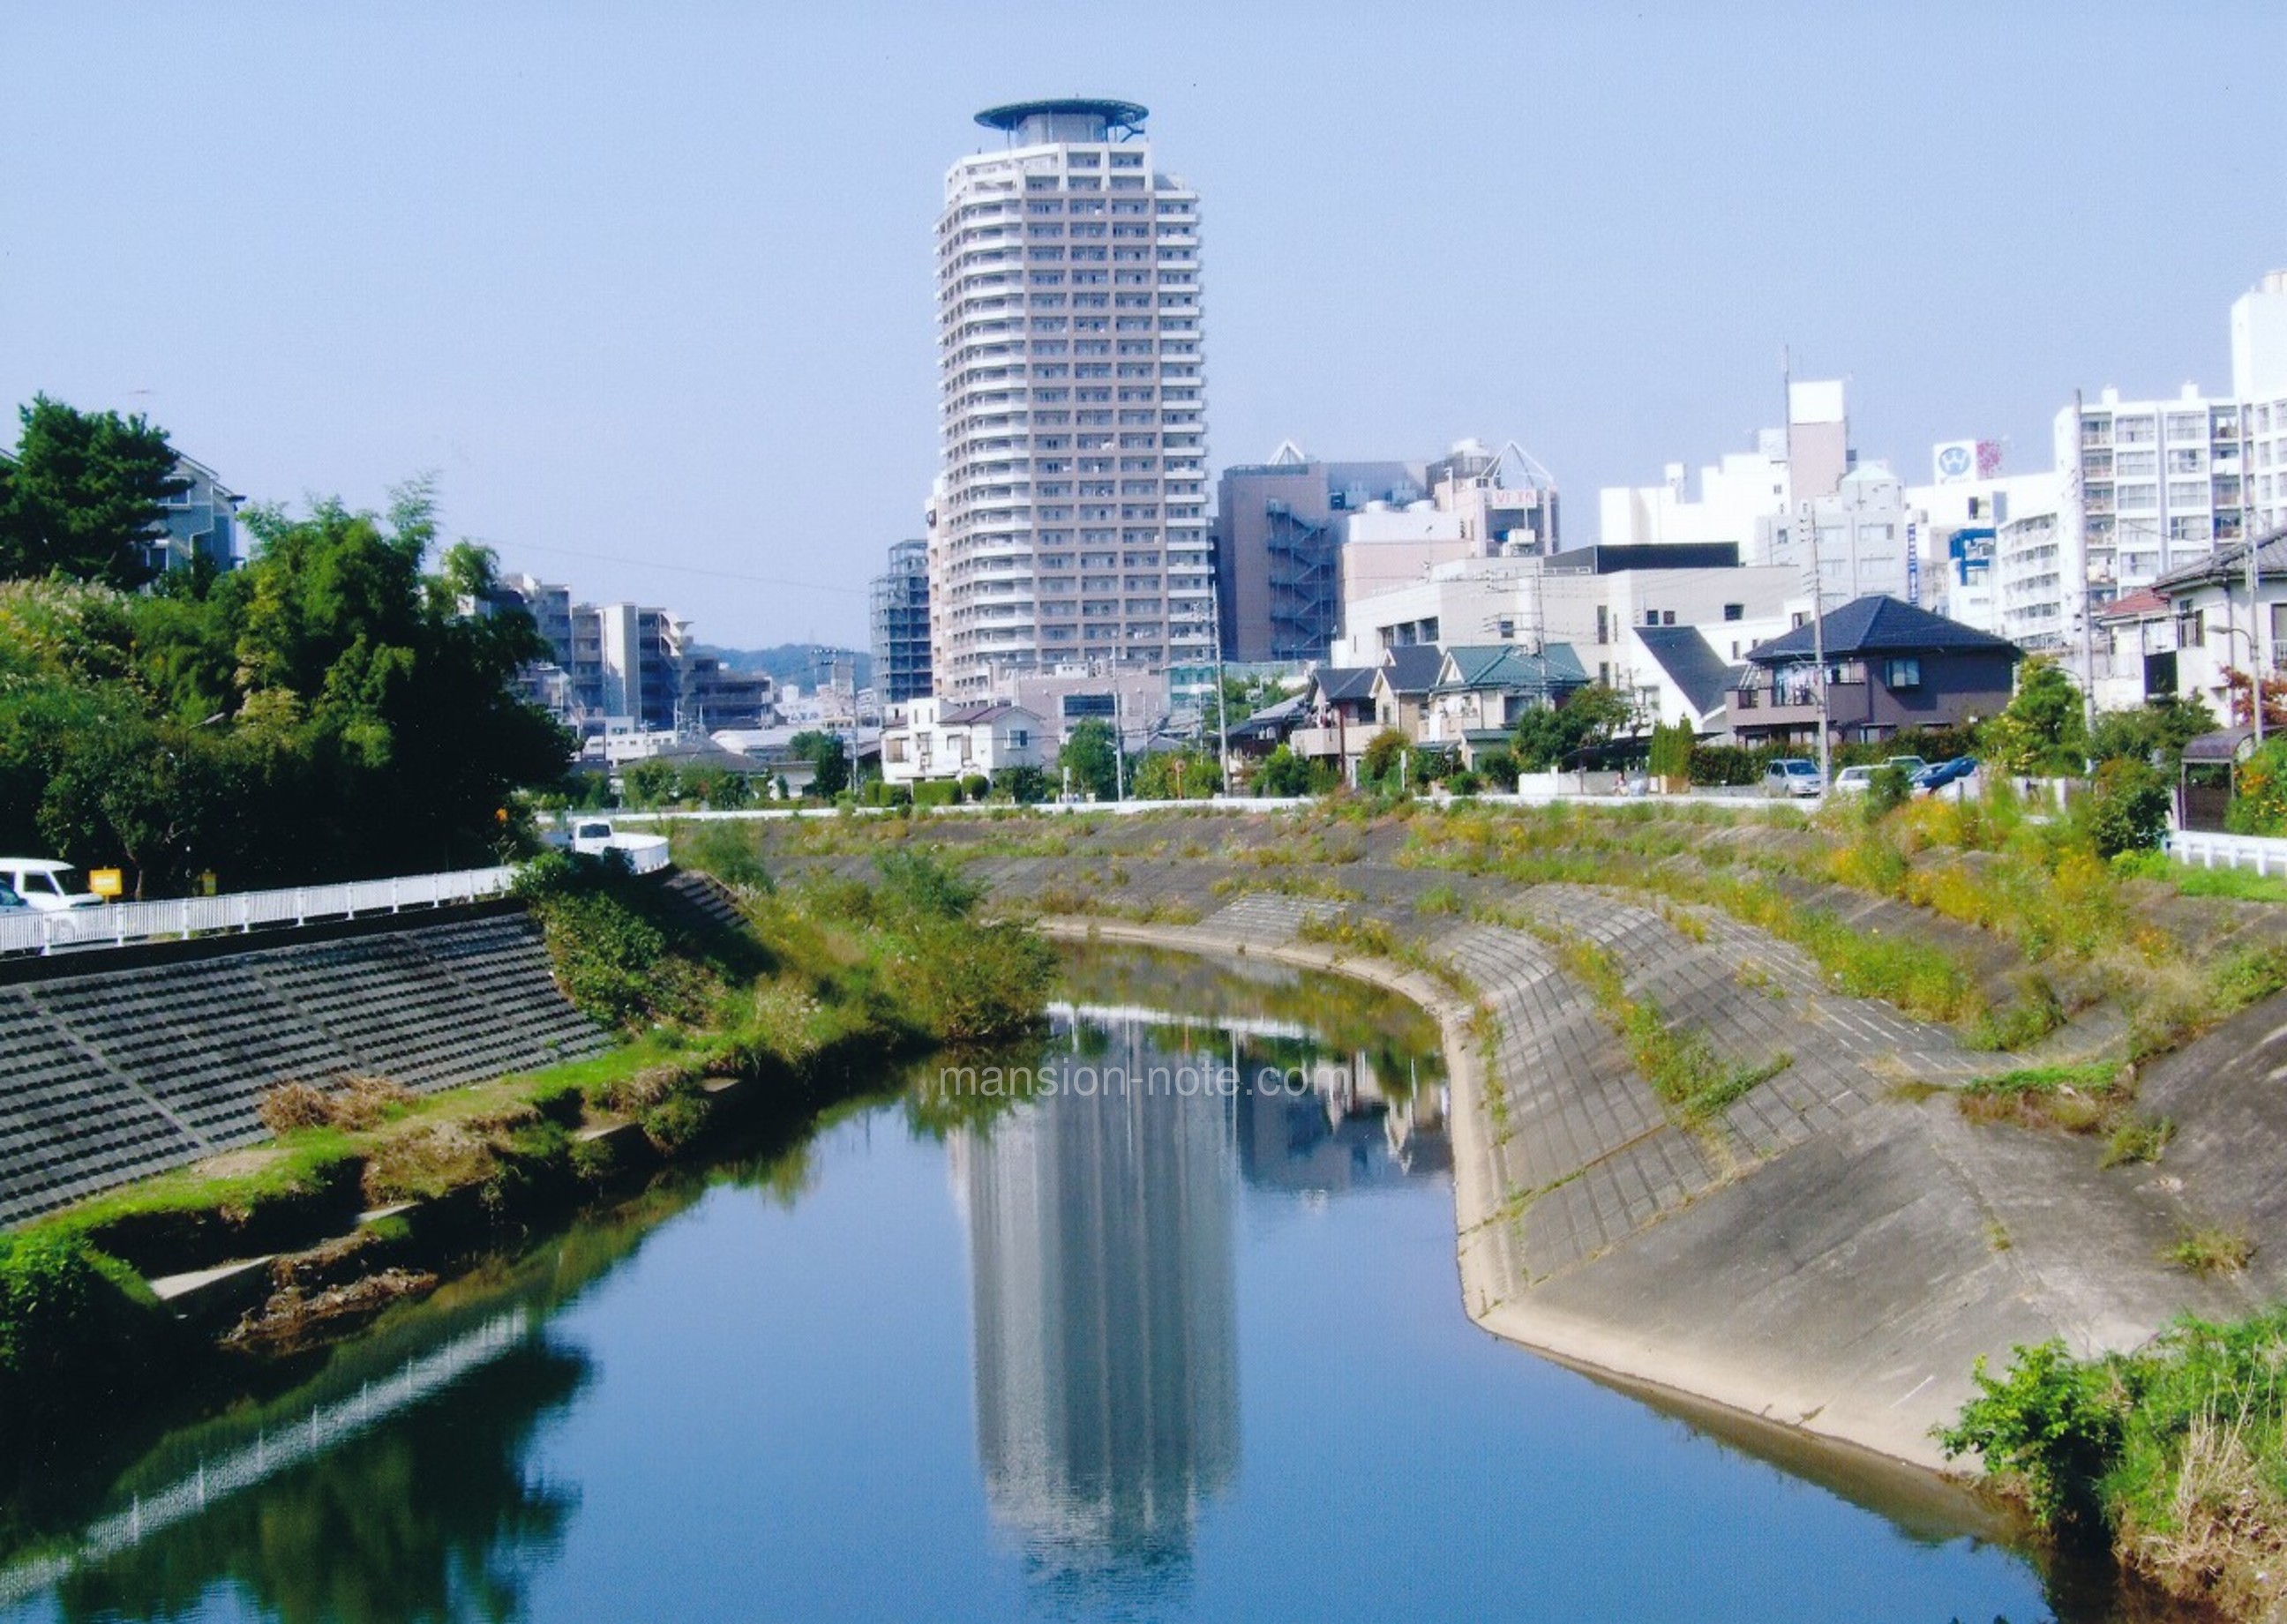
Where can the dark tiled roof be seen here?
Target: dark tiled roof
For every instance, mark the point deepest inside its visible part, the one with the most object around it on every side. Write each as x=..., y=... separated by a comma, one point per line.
x=2229, y=564
x=1412, y=669
x=1691, y=663
x=1339, y=682
x=1880, y=623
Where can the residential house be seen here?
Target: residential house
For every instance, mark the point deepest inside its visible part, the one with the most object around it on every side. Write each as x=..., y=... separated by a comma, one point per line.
x=2214, y=623
x=1341, y=702
x=1402, y=684
x=1679, y=677
x=1482, y=689
x=1889, y=667
x=2134, y=651
x=943, y=740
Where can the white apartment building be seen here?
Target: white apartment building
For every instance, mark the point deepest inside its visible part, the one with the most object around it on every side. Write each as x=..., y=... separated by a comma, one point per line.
x=1071, y=521
x=2148, y=488
x=1953, y=527
x=2258, y=377
x=1861, y=538
x=1738, y=496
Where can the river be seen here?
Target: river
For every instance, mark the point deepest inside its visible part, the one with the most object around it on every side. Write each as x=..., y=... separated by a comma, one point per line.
x=1126, y=1342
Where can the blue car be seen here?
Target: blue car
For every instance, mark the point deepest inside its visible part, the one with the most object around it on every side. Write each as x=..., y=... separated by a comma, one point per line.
x=1939, y=774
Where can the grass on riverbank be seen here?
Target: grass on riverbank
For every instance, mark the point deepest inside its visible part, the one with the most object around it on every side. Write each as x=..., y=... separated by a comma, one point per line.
x=1682, y=1066
x=2175, y=1457
x=823, y=987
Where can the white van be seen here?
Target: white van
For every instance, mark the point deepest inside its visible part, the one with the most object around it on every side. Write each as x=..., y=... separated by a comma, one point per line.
x=45, y=884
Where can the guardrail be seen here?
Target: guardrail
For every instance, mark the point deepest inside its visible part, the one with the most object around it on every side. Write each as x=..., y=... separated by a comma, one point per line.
x=117, y=924
x=2265, y=853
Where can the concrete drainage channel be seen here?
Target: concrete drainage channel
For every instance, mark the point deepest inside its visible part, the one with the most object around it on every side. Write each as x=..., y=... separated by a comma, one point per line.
x=1822, y=1257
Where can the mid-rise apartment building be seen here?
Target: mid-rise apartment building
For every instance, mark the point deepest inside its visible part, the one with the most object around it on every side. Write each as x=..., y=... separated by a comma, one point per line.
x=1071, y=520
x=901, y=625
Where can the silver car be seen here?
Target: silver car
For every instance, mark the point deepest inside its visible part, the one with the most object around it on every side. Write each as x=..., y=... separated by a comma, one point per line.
x=1791, y=775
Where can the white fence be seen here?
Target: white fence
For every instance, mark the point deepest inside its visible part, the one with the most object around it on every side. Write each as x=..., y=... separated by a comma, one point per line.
x=2262, y=853
x=28, y=931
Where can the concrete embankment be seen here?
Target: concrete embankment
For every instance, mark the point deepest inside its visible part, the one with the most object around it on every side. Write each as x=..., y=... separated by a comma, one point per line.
x=117, y=1066
x=1829, y=1254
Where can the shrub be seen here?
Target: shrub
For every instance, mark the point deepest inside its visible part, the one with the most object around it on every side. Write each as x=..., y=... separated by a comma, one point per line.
x=943, y=793
x=2127, y=808
x=2050, y=1429
x=967, y=984
x=69, y=1317
x=1889, y=790
x=1671, y=751
x=1026, y=786
x=728, y=851
x=1498, y=768
x=2259, y=802
x=1383, y=753
x=1283, y=773
x=976, y=786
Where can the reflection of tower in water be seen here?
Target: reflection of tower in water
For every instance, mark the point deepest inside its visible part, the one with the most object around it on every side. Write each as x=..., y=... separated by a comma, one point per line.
x=1107, y=1330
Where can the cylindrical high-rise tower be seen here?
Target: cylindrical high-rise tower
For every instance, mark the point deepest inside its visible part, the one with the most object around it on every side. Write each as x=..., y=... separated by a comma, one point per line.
x=1072, y=527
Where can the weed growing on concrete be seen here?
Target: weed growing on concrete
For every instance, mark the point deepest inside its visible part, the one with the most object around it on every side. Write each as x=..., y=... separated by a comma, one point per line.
x=2137, y=1139
x=2212, y=1248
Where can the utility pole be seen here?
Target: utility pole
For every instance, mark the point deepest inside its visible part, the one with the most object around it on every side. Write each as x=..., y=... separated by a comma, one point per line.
x=1119, y=740
x=1223, y=698
x=2254, y=598
x=1818, y=647
x=2082, y=594
x=1805, y=515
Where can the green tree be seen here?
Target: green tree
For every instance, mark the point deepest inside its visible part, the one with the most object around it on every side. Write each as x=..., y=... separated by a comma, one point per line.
x=1549, y=738
x=83, y=494
x=1090, y=760
x=1175, y=774
x=651, y=782
x=1283, y=773
x=2043, y=730
x=1379, y=766
x=828, y=759
x=1027, y=787
x=324, y=713
x=2127, y=808
x=2159, y=728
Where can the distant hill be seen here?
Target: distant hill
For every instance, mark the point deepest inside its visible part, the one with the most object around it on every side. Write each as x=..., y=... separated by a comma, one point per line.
x=799, y=663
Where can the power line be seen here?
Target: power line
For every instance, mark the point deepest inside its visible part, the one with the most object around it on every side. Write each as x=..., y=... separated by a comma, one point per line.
x=684, y=569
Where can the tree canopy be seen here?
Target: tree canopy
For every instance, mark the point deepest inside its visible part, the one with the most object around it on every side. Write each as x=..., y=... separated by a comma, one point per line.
x=1550, y=738
x=83, y=494
x=326, y=712
x=2044, y=730
x=1088, y=756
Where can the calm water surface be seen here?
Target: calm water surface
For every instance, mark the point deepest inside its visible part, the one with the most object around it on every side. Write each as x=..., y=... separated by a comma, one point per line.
x=1150, y=1353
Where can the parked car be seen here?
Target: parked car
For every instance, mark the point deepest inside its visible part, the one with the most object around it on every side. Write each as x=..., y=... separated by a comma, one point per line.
x=10, y=901
x=1791, y=775
x=45, y=884
x=1854, y=780
x=1907, y=764
x=1937, y=777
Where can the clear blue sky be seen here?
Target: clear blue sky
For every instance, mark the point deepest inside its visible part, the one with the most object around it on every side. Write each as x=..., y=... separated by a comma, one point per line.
x=650, y=288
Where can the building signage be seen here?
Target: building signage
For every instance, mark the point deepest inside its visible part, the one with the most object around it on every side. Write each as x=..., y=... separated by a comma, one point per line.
x=1914, y=565
x=1956, y=461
